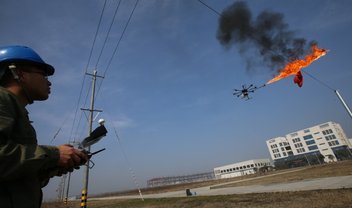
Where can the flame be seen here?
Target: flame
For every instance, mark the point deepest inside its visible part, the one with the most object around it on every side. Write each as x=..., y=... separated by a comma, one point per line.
x=295, y=66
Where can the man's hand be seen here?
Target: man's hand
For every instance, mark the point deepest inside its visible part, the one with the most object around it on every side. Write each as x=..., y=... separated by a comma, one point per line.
x=71, y=157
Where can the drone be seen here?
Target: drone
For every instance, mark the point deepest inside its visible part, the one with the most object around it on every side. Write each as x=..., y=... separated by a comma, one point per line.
x=244, y=92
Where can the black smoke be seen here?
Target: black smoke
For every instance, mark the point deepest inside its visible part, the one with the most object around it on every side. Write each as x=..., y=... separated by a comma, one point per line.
x=267, y=35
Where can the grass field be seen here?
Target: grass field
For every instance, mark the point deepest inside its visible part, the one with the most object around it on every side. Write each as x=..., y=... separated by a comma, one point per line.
x=316, y=198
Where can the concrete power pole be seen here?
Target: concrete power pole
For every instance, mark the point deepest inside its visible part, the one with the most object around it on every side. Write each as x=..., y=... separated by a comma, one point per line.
x=91, y=112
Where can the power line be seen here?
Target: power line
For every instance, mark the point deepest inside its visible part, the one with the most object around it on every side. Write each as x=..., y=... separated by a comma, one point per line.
x=321, y=82
x=107, y=35
x=118, y=44
x=122, y=35
x=95, y=36
x=218, y=13
x=86, y=69
x=83, y=81
x=133, y=175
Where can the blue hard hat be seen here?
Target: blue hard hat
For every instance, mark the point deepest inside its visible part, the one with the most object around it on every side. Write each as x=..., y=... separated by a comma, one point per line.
x=23, y=54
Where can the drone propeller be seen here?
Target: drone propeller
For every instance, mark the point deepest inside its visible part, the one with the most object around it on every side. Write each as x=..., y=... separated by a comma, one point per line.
x=244, y=92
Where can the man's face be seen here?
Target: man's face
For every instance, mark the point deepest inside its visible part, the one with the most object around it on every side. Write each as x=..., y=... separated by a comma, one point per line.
x=35, y=81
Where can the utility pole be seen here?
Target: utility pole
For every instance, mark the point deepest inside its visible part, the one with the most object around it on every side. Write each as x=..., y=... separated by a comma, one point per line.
x=67, y=188
x=91, y=112
x=61, y=188
x=343, y=103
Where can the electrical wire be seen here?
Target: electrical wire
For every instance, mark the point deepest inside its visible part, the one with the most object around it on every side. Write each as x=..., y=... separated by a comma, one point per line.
x=119, y=41
x=86, y=69
x=95, y=36
x=107, y=35
x=321, y=82
x=118, y=44
x=218, y=13
x=82, y=85
x=133, y=175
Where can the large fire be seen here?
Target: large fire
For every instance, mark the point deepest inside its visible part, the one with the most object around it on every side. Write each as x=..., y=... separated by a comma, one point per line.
x=294, y=67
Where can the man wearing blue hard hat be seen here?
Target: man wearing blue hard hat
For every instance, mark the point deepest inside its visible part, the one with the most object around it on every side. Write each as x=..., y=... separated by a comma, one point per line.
x=25, y=166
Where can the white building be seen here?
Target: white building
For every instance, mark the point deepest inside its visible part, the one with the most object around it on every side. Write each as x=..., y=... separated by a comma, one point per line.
x=240, y=168
x=326, y=142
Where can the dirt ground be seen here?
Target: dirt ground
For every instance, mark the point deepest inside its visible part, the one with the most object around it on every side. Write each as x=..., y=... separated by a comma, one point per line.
x=339, y=198
x=316, y=198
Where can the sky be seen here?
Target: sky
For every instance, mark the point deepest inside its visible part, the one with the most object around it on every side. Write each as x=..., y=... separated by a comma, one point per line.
x=167, y=91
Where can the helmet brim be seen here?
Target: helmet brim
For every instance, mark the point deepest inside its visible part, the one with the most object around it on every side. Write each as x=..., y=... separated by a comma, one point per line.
x=50, y=70
x=47, y=68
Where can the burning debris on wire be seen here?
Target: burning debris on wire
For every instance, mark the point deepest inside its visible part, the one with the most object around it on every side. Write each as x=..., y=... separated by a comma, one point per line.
x=294, y=67
x=267, y=38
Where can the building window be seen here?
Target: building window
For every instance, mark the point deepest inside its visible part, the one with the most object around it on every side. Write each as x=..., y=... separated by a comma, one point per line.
x=310, y=142
x=326, y=132
x=307, y=137
x=330, y=137
x=333, y=143
x=296, y=140
x=276, y=156
x=301, y=150
x=306, y=131
x=298, y=145
x=314, y=147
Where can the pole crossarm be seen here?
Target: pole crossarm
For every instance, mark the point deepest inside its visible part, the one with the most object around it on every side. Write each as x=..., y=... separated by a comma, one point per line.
x=94, y=75
x=91, y=110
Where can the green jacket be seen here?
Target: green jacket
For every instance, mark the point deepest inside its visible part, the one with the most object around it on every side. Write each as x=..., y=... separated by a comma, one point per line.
x=25, y=166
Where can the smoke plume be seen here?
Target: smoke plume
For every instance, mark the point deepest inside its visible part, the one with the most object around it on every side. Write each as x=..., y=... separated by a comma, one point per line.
x=267, y=34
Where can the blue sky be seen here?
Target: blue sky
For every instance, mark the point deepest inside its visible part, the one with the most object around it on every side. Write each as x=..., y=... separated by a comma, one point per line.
x=168, y=90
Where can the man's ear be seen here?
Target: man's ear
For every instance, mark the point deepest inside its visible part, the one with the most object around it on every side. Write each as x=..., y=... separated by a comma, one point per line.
x=14, y=72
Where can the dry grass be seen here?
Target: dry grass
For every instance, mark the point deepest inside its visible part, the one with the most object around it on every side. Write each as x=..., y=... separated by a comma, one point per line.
x=317, y=198
x=340, y=198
